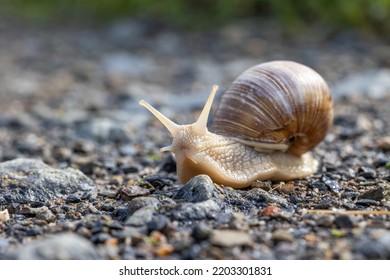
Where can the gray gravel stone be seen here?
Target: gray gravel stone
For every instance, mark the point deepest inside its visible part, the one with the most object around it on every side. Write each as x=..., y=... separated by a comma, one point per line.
x=43, y=213
x=141, y=216
x=374, y=194
x=64, y=246
x=199, y=188
x=333, y=185
x=140, y=202
x=131, y=192
x=230, y=238
x=27, y=180
x=197, y=211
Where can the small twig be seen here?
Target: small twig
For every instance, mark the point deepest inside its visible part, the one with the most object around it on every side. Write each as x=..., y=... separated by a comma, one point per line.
x=346, y=212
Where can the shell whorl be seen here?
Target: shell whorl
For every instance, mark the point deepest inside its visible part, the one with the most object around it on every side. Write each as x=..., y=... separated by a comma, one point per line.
x=279, y=105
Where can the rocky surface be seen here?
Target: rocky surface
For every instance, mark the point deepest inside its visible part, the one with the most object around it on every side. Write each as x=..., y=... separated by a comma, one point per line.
x=82, y=177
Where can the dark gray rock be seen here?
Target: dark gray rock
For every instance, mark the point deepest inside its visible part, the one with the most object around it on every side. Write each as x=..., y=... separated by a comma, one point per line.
x=197, y=211
x=344, y=221
x=158, y=222
x=130, y=192
x=64, y=246
x=140, y=202
x=366, y=172
x=201, y=231
x=73, y=198
x=377, y=194
x=28, y=180
x=320, y=186
x=159, y=181
x=199, y=188
x=333, y=185
x=43, y=213
x=366, y=202
x=141, y=217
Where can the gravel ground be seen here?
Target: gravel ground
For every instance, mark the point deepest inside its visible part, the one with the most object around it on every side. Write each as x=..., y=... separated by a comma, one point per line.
x=81, y=175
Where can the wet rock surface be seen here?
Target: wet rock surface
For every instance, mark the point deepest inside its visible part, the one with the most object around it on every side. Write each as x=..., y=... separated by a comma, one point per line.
x=82, y=177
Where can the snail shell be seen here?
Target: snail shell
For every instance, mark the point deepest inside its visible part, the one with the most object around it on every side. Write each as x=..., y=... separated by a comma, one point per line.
x=279, y=105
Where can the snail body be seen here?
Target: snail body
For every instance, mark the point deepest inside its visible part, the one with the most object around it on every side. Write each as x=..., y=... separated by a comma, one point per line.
x=268, y=120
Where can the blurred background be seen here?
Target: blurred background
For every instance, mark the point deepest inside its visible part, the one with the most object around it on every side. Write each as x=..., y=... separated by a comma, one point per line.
x=293, y=15
x=83, y=65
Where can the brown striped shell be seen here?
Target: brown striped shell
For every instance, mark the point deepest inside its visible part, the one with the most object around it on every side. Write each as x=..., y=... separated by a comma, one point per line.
x=278, y=105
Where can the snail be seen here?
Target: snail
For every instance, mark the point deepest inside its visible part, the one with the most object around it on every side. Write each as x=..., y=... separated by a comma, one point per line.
x=264, y=128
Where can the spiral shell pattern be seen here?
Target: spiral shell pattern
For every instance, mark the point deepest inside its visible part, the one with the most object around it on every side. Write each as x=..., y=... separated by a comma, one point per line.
x=281, y=105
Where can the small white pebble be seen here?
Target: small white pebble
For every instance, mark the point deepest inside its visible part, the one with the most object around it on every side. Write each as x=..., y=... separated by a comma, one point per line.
x=4, y=215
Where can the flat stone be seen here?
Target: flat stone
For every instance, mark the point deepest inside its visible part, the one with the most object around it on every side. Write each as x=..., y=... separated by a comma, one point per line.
x=29, y=180
x=377, y=194
x=282, y=235
x=230, y=238
x=140, y=202
x=130, y=192
x=141, y=217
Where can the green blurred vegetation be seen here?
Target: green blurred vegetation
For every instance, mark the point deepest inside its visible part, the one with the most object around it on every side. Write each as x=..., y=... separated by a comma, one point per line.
x=371, y=15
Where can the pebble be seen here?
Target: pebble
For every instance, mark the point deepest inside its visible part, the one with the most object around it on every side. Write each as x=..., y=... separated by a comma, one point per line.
x=197, y=211
x=73, y=198
x=229, y=238
x=100, y=237
x=320, y=186
x=140, y=202
x=45, y=214
x=332, y=185
x=282, y=235
x=325, y=220
x=29, y=180
x=168, y=164
x=130, y=192
x=159, y=181
x=366, y=202
x=270, y=210
x=377, y=193
x=344, y=221
x=141, y=217
x=4, y=215
x=158, y=222
x=201, y=231
x=384, y=143
x=366, y=172
x=260, y=195
x=199, y=188
x=63, y=246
